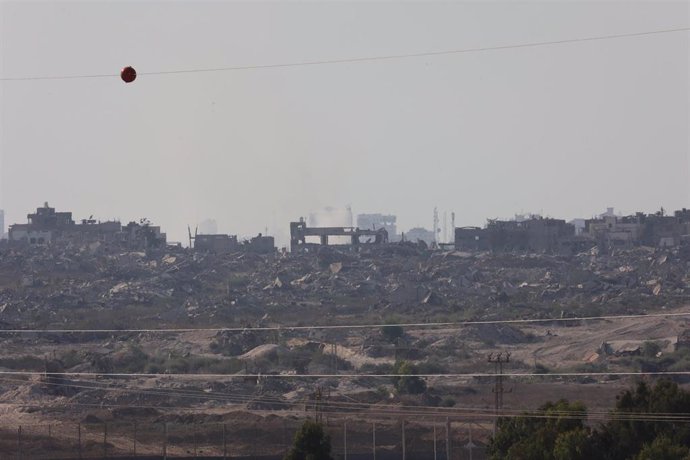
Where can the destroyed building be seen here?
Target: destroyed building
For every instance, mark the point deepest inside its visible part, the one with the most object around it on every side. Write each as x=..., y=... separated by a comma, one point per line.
x=304, y=237
x=42, y=226
x=142, y=235
x=613, y=231
x=538, y=234
x=225, y=244
x=376, y=221
x=471, y=239
x=640, y=229
x=535, y=234
x=260, y=244
x=218, y=244
x=46, y=226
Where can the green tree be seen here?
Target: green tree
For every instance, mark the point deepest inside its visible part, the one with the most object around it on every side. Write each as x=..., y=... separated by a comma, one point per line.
x=650, y=349
x=626, y=435
x=406, y=382
x=311, y=443
x=663, y=448
x=573, y=445
x=557, y=433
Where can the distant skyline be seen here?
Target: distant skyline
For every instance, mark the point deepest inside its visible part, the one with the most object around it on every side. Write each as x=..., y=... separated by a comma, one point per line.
x=209, y=225
x=564, y=130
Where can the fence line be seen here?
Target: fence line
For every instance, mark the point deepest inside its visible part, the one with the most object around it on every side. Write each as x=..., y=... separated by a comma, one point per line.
x=351, y=439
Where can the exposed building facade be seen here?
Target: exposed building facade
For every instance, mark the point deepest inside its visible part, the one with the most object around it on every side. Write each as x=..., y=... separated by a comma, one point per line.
x=304, y=237
x=46, y=226
x=537, y=234
x=533, y=234
x=216, y=243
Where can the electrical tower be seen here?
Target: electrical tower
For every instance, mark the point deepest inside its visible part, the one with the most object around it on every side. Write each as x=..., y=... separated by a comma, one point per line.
x=498, y=359
x=318, y=402
x=436, y=229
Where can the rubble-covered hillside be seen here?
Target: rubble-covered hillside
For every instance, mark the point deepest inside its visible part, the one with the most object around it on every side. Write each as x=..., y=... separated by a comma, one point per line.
x=136, y=373
x=86, y=286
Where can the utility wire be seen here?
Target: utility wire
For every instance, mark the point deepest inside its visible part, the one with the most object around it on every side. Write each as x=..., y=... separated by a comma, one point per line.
x=340, y=376
x=366, y=59
x=348, y=326
x=240, y=398
x=337, y=408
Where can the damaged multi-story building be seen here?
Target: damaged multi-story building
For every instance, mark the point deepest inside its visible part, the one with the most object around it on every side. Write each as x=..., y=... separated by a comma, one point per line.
x=538, y=234
x=304, y=237
x=225, y=244
x=640, y=229
x=47, y=226
x=534, y=234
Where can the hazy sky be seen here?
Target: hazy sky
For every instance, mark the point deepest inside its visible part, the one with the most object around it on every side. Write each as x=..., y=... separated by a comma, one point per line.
x=564, y=129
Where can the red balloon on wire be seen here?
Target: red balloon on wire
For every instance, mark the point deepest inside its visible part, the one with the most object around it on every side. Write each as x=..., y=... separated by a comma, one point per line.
x=128, y=74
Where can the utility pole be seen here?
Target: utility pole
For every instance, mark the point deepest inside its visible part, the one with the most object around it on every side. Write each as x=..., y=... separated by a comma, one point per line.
x=105, y=440
x=470, y=445
x=435, y=440
x=345, y=440
x=334, y=358
x=79, y=439
x=373, y=439
x=452, y=227
x=445, y=226
x=225, y=441
x=318, y=396
x=19, y=443
x=435, y=226
x=447, y=438
x=498, y=360
x=403, y=439
x=165, y=441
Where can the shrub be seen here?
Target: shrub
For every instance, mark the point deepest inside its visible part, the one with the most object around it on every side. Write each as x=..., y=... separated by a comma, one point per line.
x=407, y=382
x=392, y=333
x=311, y=442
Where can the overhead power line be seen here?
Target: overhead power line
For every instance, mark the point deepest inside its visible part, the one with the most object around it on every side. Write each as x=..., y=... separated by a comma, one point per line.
x=340, y=408
x=356, y=405
x=341, y=376
x=365, y=59
x=349, y=326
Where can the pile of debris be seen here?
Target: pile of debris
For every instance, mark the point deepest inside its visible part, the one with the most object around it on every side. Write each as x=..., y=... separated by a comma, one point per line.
x=53, y=284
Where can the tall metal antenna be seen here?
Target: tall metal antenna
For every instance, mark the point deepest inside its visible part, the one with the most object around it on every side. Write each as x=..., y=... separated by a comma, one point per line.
x=498, y=360
x=435, y=230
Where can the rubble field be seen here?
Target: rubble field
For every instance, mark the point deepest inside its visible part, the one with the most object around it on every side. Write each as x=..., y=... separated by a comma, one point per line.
x=262, y=373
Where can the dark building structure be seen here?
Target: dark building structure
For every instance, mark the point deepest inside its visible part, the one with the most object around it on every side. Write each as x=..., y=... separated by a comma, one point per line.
x=471, y=239
x=216, y=243
x=536, y=234
x=640, y=229
x=260, y=244
x=47, y=226
x=223, y=244
x=300, y=233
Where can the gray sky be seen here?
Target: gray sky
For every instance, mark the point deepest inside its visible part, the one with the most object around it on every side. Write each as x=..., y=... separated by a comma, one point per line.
x=565, y=129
